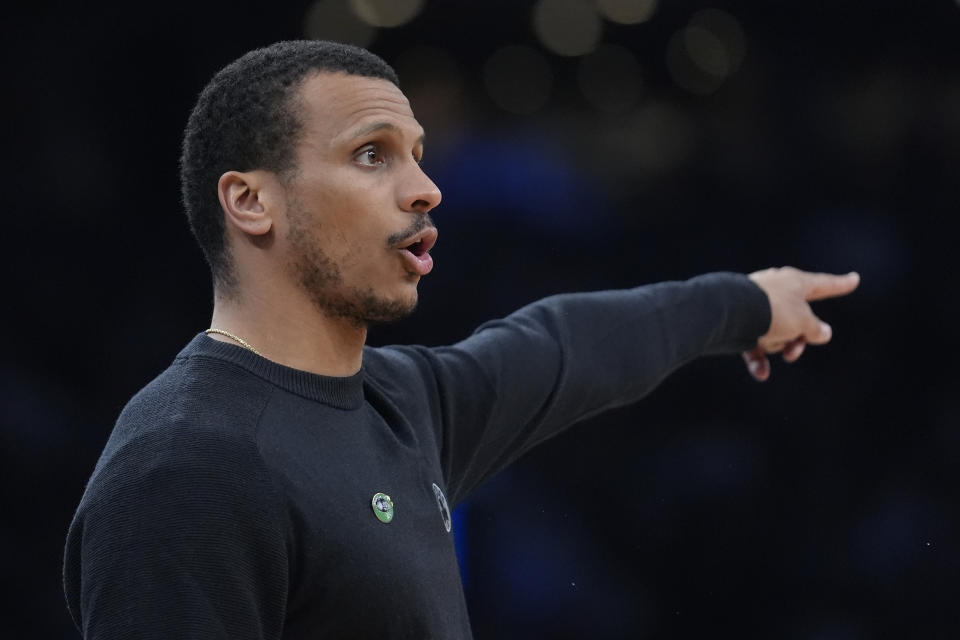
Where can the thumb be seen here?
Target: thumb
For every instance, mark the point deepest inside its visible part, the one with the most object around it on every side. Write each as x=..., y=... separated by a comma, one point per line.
x=817, y=331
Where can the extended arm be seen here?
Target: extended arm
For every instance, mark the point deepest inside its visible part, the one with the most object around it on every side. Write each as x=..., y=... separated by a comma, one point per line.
x=517, y=381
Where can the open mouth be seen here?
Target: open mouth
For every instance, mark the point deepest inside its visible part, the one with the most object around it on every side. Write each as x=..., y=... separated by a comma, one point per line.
x=422, y=242
x=416, y=248
x=417, y=251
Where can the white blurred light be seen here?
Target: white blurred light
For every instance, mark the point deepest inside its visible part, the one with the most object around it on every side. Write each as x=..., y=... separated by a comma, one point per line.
x=333, y=20
x=567, y=27
x=704, y=54
x=386, y=13
x=518, y=79
x=728, y=30
x=609, y=78
x=629, y=11
x=706, y=51
x=684, y=72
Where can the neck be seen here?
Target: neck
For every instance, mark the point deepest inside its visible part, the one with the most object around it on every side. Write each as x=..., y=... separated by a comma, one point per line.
x=298, y=336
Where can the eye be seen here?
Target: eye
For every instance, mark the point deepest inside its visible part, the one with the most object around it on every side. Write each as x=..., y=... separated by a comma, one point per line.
x=369, y=156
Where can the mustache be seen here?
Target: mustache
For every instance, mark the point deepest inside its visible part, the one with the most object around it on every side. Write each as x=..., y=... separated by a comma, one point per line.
x=422, y=221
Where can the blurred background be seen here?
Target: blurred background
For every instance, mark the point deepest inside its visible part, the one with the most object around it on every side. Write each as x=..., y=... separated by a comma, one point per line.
x=579, y=145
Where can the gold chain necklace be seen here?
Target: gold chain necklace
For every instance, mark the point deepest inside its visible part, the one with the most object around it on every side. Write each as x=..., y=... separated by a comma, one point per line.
x=243, y=343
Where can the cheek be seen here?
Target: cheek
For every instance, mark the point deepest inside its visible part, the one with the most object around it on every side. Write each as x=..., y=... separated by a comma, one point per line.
x=359, y=224
x=340, y=229
x=359, y=245
x=353, y=222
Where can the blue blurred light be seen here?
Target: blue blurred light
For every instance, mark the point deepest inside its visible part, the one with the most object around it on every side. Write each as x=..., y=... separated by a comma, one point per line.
x=523, y=180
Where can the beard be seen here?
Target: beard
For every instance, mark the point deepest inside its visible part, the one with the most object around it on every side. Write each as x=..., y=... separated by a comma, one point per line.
x=322, y=280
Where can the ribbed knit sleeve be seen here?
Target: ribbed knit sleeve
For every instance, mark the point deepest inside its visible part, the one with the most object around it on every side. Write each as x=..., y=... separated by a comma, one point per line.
x=522, y=379
x=179, y=536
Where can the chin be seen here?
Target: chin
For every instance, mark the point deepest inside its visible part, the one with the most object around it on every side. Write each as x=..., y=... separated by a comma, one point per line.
x=386, y=315
x=391, y=311
x=369, y=308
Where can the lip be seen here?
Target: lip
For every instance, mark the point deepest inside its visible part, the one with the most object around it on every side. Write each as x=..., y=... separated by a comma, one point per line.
x=419, y=260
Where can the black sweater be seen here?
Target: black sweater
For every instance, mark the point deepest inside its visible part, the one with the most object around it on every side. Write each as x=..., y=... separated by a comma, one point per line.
x=234, y=496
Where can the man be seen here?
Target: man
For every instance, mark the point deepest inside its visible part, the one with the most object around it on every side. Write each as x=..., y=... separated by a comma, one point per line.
x=282, y=480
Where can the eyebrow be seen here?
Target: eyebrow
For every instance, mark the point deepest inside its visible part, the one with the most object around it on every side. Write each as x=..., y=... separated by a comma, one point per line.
x=382, y=126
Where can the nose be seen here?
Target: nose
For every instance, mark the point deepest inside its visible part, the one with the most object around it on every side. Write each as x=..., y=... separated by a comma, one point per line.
x=419, y=193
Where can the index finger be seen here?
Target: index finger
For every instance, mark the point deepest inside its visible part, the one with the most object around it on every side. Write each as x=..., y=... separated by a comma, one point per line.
x=818, y=286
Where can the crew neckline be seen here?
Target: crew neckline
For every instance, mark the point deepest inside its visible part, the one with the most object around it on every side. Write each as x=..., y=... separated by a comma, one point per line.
x=343, y=392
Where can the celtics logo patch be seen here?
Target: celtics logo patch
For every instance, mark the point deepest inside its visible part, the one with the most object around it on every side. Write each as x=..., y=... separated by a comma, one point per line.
x=444, y=509
x=382, y=507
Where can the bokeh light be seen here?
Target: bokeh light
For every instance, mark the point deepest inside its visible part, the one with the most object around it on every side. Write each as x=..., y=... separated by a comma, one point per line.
x=567, y=27
x=386, y=13
x=333, y=20
x=518, y=78
x=706, y=52
x=609, y=78
x=684, y=71
x=628, y=11
x=728, y=30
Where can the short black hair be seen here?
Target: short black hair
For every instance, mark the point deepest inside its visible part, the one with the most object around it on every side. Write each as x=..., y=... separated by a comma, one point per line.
x=246, y=118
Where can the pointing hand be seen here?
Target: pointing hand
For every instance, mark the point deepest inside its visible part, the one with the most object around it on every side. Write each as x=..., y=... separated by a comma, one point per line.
x=793, y=324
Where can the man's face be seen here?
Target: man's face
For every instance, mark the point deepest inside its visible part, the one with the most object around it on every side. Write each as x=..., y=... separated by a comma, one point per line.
x=357, y=226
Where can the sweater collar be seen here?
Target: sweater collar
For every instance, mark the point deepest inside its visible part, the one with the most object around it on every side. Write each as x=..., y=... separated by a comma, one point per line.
x=342, y=392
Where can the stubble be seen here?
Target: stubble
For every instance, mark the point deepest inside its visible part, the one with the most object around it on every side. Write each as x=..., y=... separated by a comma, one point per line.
x=322, y=280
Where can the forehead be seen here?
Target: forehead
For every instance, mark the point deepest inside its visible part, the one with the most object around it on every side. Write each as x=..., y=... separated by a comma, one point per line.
x=336, y=104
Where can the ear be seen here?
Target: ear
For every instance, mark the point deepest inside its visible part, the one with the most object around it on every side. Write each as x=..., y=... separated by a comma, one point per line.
x=244, y=197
